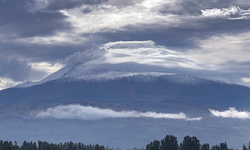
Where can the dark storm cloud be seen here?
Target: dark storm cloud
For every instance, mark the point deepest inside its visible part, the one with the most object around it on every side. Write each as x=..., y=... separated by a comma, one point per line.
x=46, y=52
x=87, y=9
x=67, y=4
x=182, y=37
x=40, y=52
x=91, y=8
x=171, y=38
x=121, y=4
x=14, y=69
x=17, y=21
x=183, y=7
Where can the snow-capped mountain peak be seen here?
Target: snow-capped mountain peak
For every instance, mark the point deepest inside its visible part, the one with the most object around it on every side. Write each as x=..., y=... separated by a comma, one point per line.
x=78, y=72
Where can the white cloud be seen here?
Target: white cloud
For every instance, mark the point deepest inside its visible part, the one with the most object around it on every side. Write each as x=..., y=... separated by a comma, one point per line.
x=140, y=14
x=222, y=48
x=113, y=19
x=44, y=69
x=232, y=12
x=156, y=3
x=140, y=52
x=7, y=83
x=94, y=113
x=231, y=113
x=226, y=53
x=246, y=79
x=39, y=70
x=146, y=52
x=105, y=18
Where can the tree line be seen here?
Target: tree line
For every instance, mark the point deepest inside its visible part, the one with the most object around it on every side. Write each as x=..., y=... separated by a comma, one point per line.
x=8, y=145
x=189, y=143
x=168, y=143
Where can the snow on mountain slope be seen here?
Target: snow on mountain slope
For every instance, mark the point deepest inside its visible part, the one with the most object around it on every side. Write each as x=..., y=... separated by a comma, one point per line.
x=79, y=72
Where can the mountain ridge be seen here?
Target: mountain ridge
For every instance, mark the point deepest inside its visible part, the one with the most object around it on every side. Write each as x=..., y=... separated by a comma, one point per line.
x=74, y=82
x=77, y=73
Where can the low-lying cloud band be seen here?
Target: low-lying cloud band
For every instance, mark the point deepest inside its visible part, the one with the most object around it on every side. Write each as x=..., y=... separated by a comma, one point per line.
x=77, y=111
x=231, y=113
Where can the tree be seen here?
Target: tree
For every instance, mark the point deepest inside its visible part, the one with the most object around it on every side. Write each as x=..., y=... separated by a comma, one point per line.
x=155, y=145
x=223, y=146
x=215, y=147
x=244, y=147
x=169, y=143
x=205, y=146
x=190, y=143
x=99, y=147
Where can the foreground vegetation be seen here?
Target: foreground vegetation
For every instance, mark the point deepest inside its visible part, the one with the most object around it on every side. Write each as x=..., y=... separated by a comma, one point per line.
x=168, y=143
x=189, y=143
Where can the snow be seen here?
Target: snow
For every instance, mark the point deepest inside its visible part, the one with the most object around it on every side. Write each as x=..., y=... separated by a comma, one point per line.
x=78, y=72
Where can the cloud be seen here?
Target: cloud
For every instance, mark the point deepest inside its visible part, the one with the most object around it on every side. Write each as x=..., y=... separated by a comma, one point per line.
x=129, y=52
x=17, y=22
x=42, y=69
x=85, y=56
x=246, y=79
x=50, y=30
x=147, y=56
x=226, y=53
x=231, y=113
x=222, y=48
x=194, y=7
x=60, y=4
x=95, y=113
x=7, y=83
x=233, y=12
x=107, y=18
x=14, y=69
x=143, y=20
x=139, y=20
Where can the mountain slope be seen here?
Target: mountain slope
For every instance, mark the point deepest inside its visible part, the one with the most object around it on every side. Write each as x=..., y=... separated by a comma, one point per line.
x=71, y=84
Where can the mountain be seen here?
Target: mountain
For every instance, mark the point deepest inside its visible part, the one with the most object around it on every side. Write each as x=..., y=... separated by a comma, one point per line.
x=74, y=83
x=78, y=72
x=121, y=90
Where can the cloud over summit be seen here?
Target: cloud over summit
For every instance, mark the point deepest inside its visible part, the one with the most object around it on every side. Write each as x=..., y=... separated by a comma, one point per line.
x=145, y=53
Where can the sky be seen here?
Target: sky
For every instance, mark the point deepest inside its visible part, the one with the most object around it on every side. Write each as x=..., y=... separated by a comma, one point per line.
x=197, y=37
